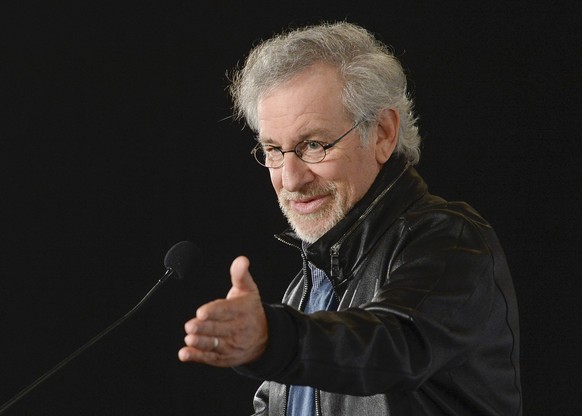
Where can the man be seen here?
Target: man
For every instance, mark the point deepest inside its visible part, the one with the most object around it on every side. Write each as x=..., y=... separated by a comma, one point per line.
x=405, y=304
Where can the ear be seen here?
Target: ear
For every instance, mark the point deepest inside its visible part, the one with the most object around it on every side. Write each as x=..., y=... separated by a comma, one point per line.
x=387, y=134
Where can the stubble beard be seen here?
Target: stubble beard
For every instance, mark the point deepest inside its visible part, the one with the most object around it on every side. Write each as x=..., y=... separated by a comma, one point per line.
x=311, y=227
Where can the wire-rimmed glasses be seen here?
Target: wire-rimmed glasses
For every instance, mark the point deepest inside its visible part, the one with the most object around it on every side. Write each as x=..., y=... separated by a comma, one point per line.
x=309, y=151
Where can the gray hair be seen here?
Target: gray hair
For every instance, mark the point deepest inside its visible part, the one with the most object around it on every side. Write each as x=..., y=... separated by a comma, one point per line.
x=373, y=77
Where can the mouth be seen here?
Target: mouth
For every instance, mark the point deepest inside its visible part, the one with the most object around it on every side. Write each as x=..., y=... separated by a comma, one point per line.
x=308, y=205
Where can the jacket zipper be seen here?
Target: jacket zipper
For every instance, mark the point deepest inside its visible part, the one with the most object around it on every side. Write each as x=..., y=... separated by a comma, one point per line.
x=317, y=402
x=285, y=400
x=301, y=306
x=334, y=253
x=334, y=250
x=303, y=270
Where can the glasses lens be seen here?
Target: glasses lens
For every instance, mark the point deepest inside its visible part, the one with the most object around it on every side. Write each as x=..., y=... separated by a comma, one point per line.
x=310, y=152
x=268, y=156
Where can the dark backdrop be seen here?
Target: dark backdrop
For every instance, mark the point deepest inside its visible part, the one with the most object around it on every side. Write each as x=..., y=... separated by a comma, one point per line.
x=116, y=143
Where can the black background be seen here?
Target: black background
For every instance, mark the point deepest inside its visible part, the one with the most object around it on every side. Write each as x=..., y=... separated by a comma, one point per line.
x=116, y=143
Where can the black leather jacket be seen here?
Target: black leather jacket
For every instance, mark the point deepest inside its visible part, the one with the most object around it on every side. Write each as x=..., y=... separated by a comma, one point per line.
x=427, y=321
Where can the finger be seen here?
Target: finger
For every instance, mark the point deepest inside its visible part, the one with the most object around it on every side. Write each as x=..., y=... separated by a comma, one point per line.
x=242, y=281
x=209, y=310
x=202, y=342
x=218, y=311
x=221, y=328
x=197, y=355
x=206, y=357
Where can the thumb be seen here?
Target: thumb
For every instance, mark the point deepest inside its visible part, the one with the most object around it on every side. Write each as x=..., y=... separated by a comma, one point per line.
x=242, y=281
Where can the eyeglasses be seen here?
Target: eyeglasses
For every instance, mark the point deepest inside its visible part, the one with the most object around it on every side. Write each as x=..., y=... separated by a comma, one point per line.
x=309, y=151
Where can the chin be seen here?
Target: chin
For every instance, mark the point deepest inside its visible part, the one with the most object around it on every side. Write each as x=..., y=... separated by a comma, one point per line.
x=311, y=227
x=309, y=231
x=308, y=237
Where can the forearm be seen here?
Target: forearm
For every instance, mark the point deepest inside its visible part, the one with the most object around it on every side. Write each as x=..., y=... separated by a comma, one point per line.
x=352, y=352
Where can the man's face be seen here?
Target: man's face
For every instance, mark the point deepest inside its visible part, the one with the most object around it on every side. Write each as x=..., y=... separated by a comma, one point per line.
x=314, y=197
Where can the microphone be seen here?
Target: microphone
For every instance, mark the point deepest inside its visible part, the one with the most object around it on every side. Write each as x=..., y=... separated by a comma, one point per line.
x=179, y=262
x=180, y=259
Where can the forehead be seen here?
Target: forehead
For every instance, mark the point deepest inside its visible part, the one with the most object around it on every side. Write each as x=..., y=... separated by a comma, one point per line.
x=309, y=101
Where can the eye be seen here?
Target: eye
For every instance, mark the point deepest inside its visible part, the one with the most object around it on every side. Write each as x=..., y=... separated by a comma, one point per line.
x=311, y=146
x=271, y=152
x=268, y=149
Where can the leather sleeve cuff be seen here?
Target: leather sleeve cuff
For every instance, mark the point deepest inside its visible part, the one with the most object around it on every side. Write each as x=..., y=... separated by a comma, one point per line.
x=281, y=346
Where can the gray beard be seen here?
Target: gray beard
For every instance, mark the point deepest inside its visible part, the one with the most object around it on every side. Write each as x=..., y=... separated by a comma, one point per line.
x=311, y=227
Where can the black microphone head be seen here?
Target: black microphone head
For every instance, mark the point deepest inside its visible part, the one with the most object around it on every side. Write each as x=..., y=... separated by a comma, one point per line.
x=182, y=257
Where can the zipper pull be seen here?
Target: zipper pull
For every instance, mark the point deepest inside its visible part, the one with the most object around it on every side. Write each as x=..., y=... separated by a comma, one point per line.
x=335, y=267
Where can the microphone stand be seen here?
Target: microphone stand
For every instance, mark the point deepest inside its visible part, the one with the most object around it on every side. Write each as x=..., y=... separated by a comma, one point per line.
x=24, y=392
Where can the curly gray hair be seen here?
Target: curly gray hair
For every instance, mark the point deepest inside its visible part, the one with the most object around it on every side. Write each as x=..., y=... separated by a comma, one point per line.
x=373, y=77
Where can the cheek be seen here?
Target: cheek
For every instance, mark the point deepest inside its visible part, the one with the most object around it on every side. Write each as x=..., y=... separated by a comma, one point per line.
x=349, y=193
x=276, y=181
x=357, y=180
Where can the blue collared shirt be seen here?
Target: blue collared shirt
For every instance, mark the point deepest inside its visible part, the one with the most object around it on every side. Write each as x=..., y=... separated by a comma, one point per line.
x=301, y=400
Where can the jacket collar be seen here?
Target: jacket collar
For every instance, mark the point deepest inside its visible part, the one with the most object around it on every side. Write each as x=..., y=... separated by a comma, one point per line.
x=338, y=251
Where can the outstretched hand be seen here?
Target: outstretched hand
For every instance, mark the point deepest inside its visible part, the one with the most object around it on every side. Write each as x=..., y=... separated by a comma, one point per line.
x=232, y=331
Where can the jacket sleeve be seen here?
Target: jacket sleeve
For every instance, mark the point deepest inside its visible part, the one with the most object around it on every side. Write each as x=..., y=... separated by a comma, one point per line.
x=426, y=315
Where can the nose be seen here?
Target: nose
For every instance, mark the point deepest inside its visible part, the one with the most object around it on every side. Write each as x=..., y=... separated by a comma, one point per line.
x=295, y=173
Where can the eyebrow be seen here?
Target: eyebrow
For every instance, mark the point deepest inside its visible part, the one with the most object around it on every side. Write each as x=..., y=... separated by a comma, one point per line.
x=322, y=133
